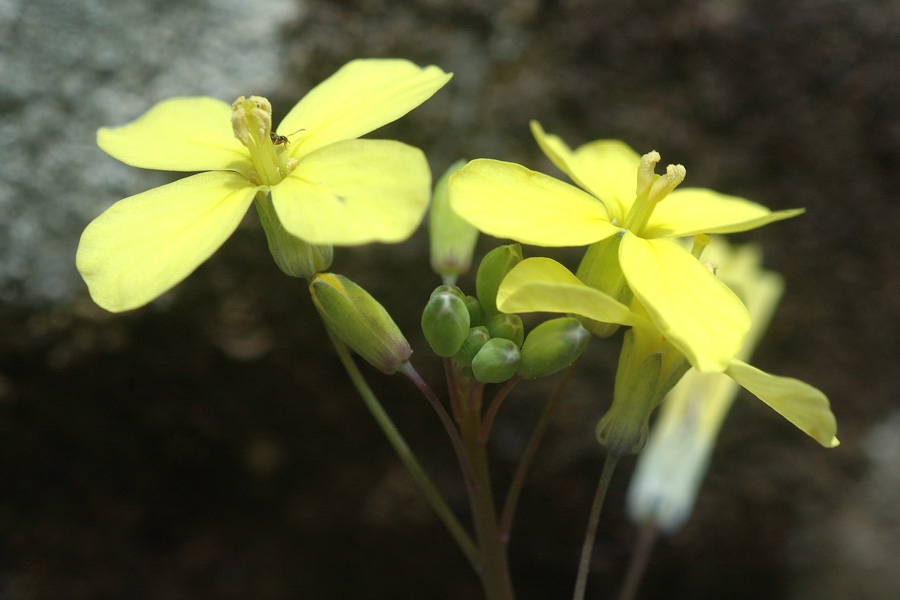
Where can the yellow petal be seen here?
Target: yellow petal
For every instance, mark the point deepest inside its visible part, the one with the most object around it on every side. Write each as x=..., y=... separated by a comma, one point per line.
x=798, y=402
x=144, y=245
x=605, y=168
x=544, y=285
x=689, y=211
x=360, y=97
x=179, y=134
x=507, y=200
x=698, y=313
x=355, y=192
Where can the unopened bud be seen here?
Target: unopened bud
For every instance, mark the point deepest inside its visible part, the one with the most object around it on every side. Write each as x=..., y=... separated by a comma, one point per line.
x=476, y=311
x=493, y=268
x=452, y=238
x=476, y=338
x=359, y=321
x=496, y=362
x=445, y=321
x=508, y=327
x=552, y=346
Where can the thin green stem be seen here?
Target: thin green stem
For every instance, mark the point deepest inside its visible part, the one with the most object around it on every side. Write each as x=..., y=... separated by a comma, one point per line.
x=450, y=373
x=515, y=488
x=494, y=407
x=408, y=370
x=460, y=535
x=609, y=465
x=494, y=573
x=639, y=561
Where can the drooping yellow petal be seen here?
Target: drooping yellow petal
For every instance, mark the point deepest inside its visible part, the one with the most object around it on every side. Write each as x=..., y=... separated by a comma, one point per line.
x=605, y=168
x=698, y=313
x=144, y=245
x=544, y=285
x=360, y=97
x=179, y=134
x=355, y=192
x=798, y=402
x=689, y=211
x=507, y=200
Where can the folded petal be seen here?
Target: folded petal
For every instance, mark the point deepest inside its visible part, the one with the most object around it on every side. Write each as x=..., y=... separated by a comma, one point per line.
x=698, y=313
x=544, y=285
x=507, y=200
x=360, y=97
x=179, y=134
x=355, y=192
x=144, y=245
x=605, y=168
x=689, y=211
x=798, y=402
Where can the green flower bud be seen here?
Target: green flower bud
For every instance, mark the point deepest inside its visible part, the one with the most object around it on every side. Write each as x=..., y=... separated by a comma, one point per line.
x=493, y=268
x=552, y=346
x=508, y=327
x=452, y=238
x=599, y=269
x=445, y=321
x=496, y=362
x=476, y=338
x=476, y=311
x=359, y=321
x=293, y=256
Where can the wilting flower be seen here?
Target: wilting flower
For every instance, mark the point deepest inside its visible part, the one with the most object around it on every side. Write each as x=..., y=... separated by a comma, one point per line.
x=315, y=184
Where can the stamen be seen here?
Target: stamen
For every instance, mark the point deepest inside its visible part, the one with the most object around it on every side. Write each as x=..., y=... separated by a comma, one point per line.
x=701, y=241
x=645, y=174
x=675, y=174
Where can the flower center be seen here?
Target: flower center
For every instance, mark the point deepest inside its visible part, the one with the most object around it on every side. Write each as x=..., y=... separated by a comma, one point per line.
x=651, y=189
x=251, y=119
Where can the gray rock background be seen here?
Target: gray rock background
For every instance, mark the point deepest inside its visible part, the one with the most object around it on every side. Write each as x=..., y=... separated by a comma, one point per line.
x=208, y=445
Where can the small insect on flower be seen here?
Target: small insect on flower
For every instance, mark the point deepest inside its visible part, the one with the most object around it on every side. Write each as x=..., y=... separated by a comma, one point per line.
x=277, y=140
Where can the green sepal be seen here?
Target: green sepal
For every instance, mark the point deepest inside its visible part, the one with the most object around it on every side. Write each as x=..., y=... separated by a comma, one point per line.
x=600, y=269
x=293, y=256
x=624, y=428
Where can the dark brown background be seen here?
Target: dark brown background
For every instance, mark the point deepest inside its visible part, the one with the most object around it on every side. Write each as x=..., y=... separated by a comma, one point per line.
x=208, y=446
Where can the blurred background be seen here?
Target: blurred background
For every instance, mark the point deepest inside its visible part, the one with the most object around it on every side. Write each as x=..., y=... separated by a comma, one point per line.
x=209, y=445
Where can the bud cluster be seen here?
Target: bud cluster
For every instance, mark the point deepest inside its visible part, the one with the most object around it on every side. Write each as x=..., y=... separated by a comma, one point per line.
x=492, y=344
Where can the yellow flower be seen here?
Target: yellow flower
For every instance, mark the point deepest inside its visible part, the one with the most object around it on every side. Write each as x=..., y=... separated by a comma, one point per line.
x=324, y=185
x=694, y=310
x=541, y=284
x=670, y=469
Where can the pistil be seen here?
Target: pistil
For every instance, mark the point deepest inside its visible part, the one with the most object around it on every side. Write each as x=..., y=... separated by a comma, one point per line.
x=651, y=189
x=251, y=119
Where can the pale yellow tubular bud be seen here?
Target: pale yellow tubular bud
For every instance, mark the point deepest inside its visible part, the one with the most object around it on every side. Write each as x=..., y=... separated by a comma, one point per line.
x=452, y=239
